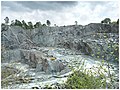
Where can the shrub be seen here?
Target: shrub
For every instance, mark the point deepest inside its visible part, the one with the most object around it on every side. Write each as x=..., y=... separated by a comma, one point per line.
x=81, y=80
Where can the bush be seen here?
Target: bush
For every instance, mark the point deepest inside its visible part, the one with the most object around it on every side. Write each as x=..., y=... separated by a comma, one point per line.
x=80, y=80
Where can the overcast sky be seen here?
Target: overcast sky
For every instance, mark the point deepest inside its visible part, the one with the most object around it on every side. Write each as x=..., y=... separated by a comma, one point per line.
x=60, y=12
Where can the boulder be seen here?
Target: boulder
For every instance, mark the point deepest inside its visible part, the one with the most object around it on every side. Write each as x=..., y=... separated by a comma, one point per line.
x=38, y=60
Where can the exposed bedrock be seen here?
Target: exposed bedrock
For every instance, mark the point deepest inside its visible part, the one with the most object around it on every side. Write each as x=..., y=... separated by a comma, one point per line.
x=94, y=39
x=35, y=59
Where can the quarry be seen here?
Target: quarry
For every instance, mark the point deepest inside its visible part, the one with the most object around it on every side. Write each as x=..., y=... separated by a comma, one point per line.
x=46, y=56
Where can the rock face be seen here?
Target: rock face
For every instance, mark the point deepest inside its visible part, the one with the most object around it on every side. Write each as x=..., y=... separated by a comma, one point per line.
x=94, y=39
x=37, y=59
x=44, y=55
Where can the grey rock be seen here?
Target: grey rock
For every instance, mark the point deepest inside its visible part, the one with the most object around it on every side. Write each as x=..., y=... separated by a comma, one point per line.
x=30, y=46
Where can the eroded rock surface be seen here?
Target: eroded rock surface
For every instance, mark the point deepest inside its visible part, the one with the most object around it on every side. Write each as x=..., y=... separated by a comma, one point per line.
x=45, y=53
x=82, y=39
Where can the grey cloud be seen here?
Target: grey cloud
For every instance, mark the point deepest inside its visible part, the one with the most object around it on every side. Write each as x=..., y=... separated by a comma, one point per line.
x=46, y=5
x=13, y=6
x=21, y=6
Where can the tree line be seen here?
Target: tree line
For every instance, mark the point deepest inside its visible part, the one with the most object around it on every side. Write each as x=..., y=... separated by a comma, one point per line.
x=29, y=25
x=23, y=24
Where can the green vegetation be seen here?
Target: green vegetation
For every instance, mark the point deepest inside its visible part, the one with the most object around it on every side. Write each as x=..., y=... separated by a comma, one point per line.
x=38, y=24
x=48, y=23
x=93, y=78
x=80, y=80
x=106, y=21
x=5, y=73
x=44, y=25
x=30, y=25
x=25, y=25
x=18, y=23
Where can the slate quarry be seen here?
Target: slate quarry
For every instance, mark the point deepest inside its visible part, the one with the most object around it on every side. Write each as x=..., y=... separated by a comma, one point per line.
x=42, y=49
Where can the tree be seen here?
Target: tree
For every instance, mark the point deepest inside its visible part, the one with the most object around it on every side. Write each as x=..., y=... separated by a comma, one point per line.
x=102, y=21
x=38, y=24
x=6, y=20
x=24, y=25
x=18, y=23
x=106, y=21
x=76, y=22
x=48, y=22
x=44, y=25
x=30, y=25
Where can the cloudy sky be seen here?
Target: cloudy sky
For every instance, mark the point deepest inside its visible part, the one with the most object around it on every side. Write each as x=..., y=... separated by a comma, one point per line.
x=60, y=12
